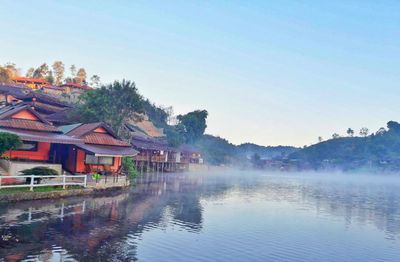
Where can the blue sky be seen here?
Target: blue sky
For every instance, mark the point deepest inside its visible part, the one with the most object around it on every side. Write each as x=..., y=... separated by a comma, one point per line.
x=269, y=72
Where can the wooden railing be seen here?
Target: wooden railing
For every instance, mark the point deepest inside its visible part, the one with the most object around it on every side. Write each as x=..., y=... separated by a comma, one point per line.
x=34, y=178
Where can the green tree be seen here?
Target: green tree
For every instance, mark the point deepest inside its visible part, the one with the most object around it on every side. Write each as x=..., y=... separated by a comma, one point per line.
x=50, y=77
x=113, y=104
x=364, y=131
x=42, y=71
x=350, y=132
x=95, y=81
x=335, y=135
x=393, y=126
x=193, y=125
x=8, y=142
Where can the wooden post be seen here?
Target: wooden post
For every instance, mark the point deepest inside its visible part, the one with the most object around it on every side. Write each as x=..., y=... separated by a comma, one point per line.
x=0, y=182
x=32, y=180
x=64, y=181
x=85, y=181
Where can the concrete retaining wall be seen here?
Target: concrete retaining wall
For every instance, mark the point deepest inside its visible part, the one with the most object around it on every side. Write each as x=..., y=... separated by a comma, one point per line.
x=21, y=196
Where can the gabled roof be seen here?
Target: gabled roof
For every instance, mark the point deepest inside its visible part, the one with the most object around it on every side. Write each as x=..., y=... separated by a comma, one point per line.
x=7, y=120
x=38, y=136
x=87, y=132
x=84, y=129
x=8, y=111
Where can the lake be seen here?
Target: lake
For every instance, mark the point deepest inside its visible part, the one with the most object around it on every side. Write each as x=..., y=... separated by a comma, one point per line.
x=231, y=216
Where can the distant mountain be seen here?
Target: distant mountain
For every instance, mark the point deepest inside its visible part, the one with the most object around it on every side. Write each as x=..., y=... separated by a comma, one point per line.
x=217, y=150
x=265, y=152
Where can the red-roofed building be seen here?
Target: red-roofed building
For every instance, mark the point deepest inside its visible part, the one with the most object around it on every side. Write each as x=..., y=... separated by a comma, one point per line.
x=102, y=150
x=42, y=143
x=34, y=83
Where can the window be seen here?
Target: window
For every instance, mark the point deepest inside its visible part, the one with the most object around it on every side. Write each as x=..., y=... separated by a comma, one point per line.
x=28, y=146
x=99, y=160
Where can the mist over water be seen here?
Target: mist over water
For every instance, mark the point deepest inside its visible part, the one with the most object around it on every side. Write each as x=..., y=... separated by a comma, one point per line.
x=225, y=216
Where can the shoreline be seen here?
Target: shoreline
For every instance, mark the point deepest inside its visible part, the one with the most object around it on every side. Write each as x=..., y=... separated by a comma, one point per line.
x=28, y=196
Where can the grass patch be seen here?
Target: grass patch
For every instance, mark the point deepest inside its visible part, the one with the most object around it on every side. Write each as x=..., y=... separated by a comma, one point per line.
x=36, y=189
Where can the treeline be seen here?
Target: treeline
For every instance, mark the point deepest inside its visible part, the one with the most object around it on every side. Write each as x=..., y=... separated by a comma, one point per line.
x=55, y=74
x=120, y=103
x=377, y=150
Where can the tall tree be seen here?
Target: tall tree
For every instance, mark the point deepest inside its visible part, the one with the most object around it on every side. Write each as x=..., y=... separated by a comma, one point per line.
x=113, y=104
x=58, y=70
x=12, y=70
x=5, y=76
x=364, y=132
x=81, y=76
x=95, y=81
x=350, y=132
x=72, y=70
x=320, y=139
x=50, y=77
x=194, y=124
x=29, y=72
x=42, y=71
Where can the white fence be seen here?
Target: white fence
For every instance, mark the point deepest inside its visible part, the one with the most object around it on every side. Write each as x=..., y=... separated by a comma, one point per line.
x=48, y=181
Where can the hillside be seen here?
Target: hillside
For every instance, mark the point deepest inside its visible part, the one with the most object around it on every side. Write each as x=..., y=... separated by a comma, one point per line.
x=380, y=150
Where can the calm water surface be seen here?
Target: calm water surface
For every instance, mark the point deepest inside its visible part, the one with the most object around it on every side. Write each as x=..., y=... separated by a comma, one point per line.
x=236, y=216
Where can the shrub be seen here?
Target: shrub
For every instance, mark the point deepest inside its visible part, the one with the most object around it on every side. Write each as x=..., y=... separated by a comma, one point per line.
x=38, y=171
x=129, y=167
x=96, y=177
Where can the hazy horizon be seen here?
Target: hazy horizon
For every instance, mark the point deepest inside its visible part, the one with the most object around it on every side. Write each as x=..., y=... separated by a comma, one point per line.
x=279, y=73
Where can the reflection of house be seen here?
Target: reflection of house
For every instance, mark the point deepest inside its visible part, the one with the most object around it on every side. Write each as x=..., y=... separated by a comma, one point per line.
x=102, y=149
x=34, y=83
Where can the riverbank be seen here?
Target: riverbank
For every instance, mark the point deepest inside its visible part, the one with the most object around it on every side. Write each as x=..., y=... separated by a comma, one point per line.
x=23, y=196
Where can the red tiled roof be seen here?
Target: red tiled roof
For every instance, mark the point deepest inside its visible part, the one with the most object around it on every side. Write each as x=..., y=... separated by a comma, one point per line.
x=103, y=139
x=70, y=84
x=37, y=136
x=84, y=129
x=86, y=132
x=28, y=125
x=29, y=79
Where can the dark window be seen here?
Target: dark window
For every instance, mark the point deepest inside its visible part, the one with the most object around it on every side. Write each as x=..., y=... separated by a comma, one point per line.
x=28, y=146
x=99, y=160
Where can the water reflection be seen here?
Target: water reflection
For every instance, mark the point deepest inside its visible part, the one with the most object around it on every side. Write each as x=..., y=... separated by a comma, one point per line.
x=166, y=211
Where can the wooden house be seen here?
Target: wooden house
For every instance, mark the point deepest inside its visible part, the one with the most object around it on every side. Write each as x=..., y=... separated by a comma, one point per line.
x=102, y=150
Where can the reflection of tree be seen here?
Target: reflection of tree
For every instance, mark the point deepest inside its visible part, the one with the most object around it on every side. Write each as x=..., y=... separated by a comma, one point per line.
x=110, y=226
